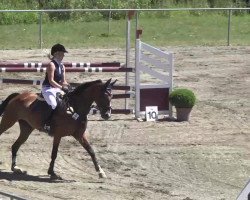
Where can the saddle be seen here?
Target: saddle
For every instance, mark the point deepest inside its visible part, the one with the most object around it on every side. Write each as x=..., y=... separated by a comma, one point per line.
x=62, y=102
x=41, y=106
x=59, y=96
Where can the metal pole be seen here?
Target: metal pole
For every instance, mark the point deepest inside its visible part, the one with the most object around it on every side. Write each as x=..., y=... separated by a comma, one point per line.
x=137, y=21
x=229, y=27
x=110, y=5
x=127, y=53
x=136, y=25
x=128, y=40
x=40, y=30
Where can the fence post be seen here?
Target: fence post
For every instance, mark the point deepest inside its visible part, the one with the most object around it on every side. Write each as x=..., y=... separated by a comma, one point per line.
x=109, y=21
x=40, y=30
x=229, y=27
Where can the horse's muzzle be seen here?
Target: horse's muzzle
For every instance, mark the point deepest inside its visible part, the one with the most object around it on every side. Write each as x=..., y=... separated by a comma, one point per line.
x=106, y=115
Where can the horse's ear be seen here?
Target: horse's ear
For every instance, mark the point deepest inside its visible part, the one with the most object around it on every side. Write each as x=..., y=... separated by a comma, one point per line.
x=112, y=84
x=106, y=85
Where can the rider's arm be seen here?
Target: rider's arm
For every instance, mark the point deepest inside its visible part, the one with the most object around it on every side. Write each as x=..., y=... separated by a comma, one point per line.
x=64, y=82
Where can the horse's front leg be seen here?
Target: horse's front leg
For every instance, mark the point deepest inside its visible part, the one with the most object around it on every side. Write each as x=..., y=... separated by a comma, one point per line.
x=51, y=172
x=85, y=143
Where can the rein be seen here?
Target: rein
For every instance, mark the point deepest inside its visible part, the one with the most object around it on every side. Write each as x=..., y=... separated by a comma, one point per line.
x=69, y=109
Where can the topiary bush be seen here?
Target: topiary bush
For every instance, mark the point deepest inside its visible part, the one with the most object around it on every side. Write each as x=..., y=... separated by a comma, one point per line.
x=182, y=98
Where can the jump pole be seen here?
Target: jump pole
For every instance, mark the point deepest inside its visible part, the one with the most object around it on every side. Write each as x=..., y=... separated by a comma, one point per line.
x=130, y=14
x=66, y=64
x=84, y=69
x=137, y=74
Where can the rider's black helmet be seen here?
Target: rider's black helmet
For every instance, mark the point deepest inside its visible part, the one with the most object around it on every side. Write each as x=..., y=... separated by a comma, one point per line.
x=58, y=47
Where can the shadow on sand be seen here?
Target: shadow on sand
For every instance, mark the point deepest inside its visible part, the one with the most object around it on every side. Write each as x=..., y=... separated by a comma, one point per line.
x=10, y=176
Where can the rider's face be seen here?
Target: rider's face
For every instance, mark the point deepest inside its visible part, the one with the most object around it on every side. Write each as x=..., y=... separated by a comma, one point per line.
x=59, y=55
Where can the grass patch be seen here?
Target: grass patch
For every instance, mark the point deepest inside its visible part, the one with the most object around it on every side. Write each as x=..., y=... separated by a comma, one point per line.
x=172, y=30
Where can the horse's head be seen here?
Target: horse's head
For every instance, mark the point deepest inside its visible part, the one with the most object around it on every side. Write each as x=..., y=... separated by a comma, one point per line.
x=82, y=97
x=104, y=99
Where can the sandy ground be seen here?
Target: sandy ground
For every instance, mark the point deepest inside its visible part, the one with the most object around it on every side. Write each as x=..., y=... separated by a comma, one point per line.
x=207, y=158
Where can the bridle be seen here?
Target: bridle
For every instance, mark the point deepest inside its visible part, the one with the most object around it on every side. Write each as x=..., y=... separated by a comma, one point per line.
x=102, y=109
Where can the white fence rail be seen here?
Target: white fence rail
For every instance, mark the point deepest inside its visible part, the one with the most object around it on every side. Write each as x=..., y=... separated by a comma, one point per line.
x=154, y=79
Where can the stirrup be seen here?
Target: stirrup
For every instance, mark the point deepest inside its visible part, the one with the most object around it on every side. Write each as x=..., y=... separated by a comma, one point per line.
x=46, y=128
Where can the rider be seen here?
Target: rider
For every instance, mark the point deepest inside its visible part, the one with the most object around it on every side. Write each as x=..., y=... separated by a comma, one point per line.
x=54, y=81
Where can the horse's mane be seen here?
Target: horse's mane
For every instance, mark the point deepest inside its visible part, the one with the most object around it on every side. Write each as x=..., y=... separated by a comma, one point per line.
x=83, y=86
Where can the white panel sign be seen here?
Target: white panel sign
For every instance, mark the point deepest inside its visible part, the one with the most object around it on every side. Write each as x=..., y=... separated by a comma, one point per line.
x=151, y=113
x=245, y=193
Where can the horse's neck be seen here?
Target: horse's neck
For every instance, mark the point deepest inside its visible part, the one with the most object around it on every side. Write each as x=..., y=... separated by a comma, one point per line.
x=82, y=103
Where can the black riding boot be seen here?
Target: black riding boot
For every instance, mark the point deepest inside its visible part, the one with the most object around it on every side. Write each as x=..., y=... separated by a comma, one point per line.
x=48, y=122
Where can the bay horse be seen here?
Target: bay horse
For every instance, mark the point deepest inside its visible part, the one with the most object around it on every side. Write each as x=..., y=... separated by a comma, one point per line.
x=24, y=109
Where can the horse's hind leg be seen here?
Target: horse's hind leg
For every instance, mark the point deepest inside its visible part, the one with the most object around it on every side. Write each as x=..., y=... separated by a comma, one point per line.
x=51, y=172
x=25, y=131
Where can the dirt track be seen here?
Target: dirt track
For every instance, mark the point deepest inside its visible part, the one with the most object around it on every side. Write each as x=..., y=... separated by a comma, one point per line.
x=207, y=158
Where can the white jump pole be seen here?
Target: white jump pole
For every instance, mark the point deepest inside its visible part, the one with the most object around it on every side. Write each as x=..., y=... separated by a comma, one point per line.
x=137, y=73
x=130, y=14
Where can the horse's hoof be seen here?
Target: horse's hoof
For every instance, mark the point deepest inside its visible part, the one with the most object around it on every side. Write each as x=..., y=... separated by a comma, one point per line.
x=18, y=170
x=55, y=177
x=102, y=175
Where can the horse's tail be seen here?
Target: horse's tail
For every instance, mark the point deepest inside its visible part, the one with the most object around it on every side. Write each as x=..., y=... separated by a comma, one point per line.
x=6, y=101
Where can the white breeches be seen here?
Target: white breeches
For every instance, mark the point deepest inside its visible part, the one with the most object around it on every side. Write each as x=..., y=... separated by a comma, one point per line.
x=49, y=95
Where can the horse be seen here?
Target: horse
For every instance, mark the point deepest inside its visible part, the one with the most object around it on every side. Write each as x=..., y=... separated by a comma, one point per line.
x=27, y=110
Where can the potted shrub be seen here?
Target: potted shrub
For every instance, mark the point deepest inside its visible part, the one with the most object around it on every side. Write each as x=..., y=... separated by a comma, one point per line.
x=183, y=100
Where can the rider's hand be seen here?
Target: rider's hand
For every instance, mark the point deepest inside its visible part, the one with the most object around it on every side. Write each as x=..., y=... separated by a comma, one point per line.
x=71, y=88
x=65, y=89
